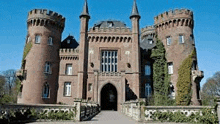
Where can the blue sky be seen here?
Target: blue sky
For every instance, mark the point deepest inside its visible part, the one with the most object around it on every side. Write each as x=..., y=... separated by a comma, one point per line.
x=13, y=28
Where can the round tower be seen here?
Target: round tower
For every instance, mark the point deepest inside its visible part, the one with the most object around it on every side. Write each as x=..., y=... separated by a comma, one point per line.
x=41, y=62
x=175, y=30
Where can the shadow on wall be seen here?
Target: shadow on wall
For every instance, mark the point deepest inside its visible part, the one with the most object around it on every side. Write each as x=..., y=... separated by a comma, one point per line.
x=130, y=95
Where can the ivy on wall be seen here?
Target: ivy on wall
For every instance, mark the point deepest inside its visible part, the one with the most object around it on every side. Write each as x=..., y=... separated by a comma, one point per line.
x=27, y=48
x=184, y=83
x=160, y=75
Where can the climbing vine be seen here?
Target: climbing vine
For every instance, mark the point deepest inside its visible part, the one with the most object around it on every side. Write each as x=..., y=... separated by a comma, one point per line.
x=184, y=83
x=160, y=75
x=27, y=48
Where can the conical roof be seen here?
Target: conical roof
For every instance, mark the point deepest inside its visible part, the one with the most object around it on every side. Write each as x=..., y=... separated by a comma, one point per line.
x=135, y=12
x=85, y=11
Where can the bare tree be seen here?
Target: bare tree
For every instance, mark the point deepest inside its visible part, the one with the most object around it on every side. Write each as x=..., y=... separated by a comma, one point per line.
x=211, y=89
x=10, y=77
x=2, y=84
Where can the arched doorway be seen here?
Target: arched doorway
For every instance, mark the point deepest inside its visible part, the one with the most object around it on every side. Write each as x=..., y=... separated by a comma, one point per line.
x=109, y=97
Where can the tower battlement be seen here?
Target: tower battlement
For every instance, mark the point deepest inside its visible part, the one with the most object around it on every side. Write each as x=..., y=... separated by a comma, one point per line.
x=69, y=51
x=148, y=30
x=110, y=30
x=173, y=14
x=41, y=17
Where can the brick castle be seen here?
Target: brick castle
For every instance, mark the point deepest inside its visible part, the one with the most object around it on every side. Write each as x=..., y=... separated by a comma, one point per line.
x=111, y=63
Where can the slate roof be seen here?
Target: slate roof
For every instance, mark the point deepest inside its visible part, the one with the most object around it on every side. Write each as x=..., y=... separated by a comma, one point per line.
x=109, y=23
x=72, y=42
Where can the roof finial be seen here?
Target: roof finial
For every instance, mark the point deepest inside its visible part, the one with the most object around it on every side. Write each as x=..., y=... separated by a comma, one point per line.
x=85, y=11
x=135, y=12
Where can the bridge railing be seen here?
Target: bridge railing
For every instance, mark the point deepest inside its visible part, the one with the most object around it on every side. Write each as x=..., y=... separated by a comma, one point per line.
x=81, y=110
x=139, y=112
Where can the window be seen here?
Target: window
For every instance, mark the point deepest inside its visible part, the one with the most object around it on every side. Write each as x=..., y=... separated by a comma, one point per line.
x=50, y=41
x=147, y=90
x=90, y=87
x=48, y=68
x=46, y=91
x=168, y=40
x=68, y=41
x=69, y=69
x=67, y=89
x=110, y=24
x=181, y=39
x=151, y=41
x=170, y=68
x=147, y=69
x=29, y=39
x=37, y=39
x=109, y=60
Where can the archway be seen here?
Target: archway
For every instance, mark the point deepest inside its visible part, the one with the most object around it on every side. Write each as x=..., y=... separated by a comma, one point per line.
x=109, y=97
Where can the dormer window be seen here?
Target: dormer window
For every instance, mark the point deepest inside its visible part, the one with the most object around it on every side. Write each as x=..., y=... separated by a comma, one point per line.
x=68, y=41
x=150, y=41
x=110, y=24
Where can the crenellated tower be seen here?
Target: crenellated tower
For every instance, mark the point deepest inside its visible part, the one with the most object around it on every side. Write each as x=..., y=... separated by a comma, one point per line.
x=40, y=63
x=175, y=30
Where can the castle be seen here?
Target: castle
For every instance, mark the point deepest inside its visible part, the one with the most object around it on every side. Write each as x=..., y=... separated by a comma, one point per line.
x=111, y=63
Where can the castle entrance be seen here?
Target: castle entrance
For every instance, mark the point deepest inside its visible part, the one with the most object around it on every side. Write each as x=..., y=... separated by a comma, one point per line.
x=109, y=97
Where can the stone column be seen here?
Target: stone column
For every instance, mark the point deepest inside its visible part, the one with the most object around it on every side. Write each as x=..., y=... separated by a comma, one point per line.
x=218, y=109
x=96, y=86
x=77, y=104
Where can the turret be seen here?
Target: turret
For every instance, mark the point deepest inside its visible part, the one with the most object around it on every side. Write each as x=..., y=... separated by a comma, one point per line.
x=41, y=57
x=83, y=51
x=135, y=17
x=175, y=30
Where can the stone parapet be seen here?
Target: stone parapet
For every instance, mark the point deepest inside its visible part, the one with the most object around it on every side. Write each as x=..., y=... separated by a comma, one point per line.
x=44, y=17
x=173, y=14
x=121, y=30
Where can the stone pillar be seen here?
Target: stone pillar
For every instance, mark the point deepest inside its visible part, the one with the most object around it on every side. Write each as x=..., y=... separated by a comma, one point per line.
x=218, y=110
x=77, y=103
x=96, y=86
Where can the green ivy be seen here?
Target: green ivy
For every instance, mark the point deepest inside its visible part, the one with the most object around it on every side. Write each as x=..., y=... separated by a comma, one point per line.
x=32, y=114
x=27, y=48
x=205, y=116
x=184, y=83
x=160, y=75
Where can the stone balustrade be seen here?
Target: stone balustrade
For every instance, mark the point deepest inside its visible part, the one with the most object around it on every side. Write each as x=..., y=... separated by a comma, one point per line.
x=139, y=112
x=81, y=110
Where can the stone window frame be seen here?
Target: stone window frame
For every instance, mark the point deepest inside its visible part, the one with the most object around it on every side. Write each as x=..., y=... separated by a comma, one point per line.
x=109, y=61
x=50, y=42
x=170, y=68
x=46, y=85
x=148, y=64
x=65, y=94
x=66, y=69
x=109, y=49
x=48, y=67
x=170, y=42
x=40, y=35
x=90, y=87
x=28, y=39
x=182, y=38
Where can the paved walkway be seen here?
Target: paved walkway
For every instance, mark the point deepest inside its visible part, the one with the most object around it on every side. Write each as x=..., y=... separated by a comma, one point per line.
x=104, y=117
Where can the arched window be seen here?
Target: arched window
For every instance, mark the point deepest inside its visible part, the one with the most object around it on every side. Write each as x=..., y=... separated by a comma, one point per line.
x=147, y=69
x=147, y=90
x=37, y=39
x=50, y=41
x=46, y=91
